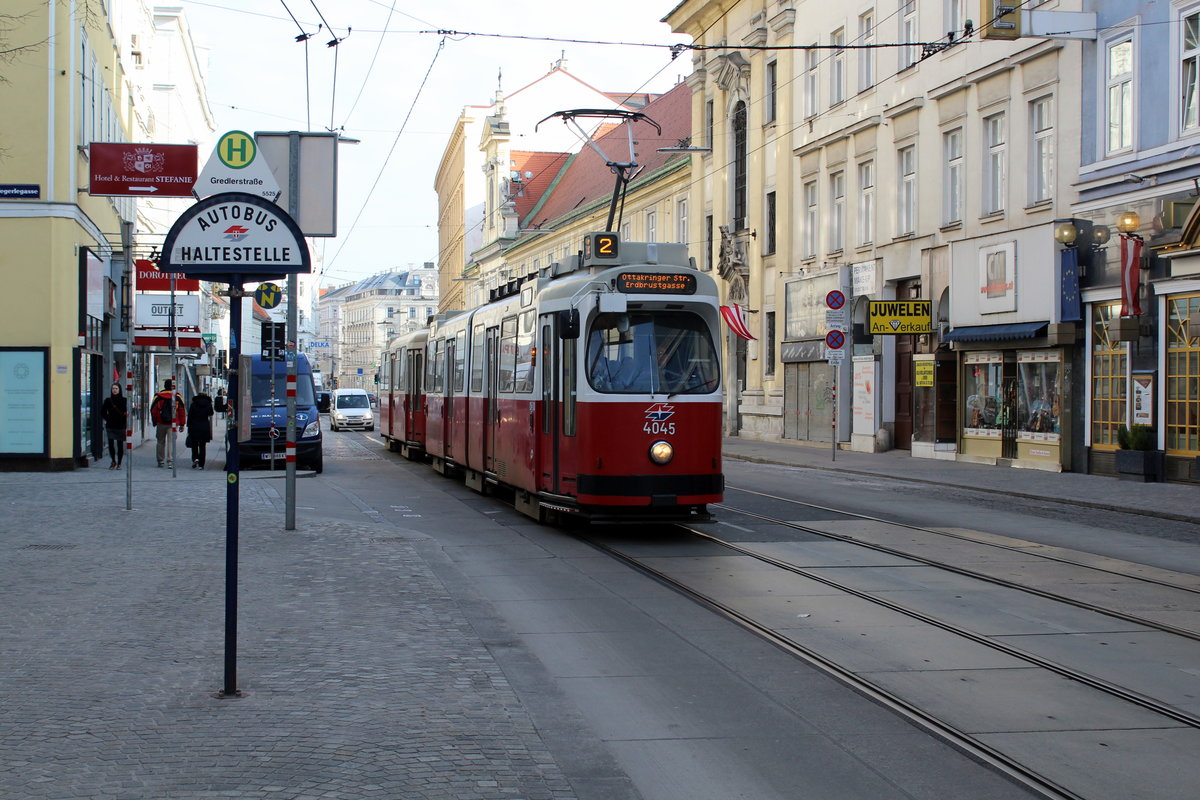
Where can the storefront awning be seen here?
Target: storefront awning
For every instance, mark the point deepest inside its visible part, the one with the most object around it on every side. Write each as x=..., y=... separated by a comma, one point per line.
x=159, y=340
x=992, y=333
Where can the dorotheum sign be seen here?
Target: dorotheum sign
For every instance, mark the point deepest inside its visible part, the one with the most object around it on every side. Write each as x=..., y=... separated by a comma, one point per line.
x=887, y=317
x=234, y=233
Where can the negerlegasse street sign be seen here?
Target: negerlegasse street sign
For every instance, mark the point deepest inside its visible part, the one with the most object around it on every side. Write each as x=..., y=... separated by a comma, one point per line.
x=235, y=233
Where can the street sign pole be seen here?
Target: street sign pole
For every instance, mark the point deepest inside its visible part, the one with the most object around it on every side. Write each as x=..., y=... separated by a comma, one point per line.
x=202, y=250
x=833, y=438
x=232, y=473
x=127, y=245
x=289, y=482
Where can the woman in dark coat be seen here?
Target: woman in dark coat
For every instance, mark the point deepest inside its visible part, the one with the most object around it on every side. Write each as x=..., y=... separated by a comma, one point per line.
x=199, y=425
x=114, y=411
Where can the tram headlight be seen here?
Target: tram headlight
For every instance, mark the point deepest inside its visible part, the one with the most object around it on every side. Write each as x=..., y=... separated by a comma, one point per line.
x=661, y=452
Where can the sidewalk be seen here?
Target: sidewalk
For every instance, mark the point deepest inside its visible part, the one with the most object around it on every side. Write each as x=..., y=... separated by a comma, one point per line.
x=1165, y=500
x=363, y=676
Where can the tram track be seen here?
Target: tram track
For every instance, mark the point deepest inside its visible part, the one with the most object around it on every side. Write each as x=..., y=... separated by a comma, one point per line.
x=1136, y=702
x=1186, y=591
x=991, y=756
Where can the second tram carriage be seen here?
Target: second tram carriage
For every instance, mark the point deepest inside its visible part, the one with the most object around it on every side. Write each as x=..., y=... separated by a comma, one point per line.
x=592, y=388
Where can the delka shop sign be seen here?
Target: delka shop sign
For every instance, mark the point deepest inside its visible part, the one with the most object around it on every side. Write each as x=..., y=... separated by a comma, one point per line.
x=235, y=234
x=121, y=169
x=236, y=166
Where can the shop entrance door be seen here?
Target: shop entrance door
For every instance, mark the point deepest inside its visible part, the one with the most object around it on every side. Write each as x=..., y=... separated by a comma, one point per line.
x=905, y=346
x=1008, y=414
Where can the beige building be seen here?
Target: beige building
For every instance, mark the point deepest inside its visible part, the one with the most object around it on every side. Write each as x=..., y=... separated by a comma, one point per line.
x=470, y=186
x=568, y=195
x=882, y=174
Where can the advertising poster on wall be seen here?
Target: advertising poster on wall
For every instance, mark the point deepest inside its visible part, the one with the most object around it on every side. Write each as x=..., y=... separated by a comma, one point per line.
x=864, y=395
x=23, y=383
x=1143, y=398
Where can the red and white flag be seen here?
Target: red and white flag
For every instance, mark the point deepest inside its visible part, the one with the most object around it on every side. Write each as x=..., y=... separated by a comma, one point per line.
x=735, y=318
x=1131, y=270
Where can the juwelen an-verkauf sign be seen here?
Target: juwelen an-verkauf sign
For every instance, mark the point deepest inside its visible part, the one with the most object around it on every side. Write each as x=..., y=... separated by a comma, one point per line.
x=141, y=170
x=235, y=234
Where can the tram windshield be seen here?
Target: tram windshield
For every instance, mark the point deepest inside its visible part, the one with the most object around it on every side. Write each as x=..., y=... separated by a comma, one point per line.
x=661, y=352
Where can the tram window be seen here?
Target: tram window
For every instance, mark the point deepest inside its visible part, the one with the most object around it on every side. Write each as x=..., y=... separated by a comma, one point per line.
x=477, y=345
x=523, y=373
x=547, y=381
x=460, y=360
x=666, y=352
x=508, y=354
x=569, y=372
x=437, y=366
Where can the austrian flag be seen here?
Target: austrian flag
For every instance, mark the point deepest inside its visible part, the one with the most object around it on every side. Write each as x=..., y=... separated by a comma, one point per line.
x=1131, y=275
x=735, y=318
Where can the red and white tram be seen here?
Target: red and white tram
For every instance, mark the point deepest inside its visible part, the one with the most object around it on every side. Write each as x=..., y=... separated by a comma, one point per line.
x=402, y=404
x=593, y=389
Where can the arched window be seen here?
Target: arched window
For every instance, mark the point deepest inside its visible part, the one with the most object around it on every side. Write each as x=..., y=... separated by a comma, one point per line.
x=739, y=166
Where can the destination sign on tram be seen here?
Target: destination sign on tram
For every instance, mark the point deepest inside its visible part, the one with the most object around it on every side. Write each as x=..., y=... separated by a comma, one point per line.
x=656, y=283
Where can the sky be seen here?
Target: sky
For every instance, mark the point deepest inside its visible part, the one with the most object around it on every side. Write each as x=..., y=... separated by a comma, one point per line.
x=399, y=91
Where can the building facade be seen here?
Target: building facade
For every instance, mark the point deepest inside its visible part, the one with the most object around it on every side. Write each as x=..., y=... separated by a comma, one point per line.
x=471, y=185
x=922, y=182
x=78, y=76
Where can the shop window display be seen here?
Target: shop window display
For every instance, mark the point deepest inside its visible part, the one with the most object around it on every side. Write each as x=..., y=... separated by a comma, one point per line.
x=982, y=386
x=1039, y=395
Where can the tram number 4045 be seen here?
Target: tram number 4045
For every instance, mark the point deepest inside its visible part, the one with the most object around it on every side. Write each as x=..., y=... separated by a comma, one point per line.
x=659, y=428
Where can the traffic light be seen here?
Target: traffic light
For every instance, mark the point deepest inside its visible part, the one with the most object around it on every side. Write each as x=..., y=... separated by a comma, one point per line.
x=1001, y=19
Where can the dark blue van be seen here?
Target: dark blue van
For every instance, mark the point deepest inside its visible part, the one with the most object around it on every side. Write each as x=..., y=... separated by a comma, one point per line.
x=266, y=408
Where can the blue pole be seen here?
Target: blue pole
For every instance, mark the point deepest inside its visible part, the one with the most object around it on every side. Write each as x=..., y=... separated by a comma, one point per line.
x=232, y=468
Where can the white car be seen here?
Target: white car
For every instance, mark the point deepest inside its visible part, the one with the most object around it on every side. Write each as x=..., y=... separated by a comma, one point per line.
x=351, y=408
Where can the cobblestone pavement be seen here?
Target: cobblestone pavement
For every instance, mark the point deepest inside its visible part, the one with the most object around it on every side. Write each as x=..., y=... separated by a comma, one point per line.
x=363, y=679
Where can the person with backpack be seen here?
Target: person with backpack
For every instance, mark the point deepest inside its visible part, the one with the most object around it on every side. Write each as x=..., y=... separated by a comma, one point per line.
x=163, y=419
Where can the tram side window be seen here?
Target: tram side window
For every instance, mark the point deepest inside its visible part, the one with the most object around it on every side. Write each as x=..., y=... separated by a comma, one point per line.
x=652, y=352
x=523, y=376
x=437, y=365
x=477, y=344
x=460, y=360
x=508, y=354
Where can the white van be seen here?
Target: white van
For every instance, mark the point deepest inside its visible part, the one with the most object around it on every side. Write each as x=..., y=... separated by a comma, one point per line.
x=351, y=408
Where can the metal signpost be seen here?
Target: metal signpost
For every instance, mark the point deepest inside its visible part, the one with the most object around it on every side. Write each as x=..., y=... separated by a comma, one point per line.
x=234, y=238
x=835, y=340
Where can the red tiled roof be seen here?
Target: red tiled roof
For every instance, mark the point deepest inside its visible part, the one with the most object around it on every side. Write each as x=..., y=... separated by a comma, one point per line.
x=588, y=178
x=634, y=100
x=536, y=171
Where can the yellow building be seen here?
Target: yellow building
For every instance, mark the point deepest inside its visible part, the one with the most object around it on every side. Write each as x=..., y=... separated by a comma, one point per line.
x=65, y=87
x=75, y=75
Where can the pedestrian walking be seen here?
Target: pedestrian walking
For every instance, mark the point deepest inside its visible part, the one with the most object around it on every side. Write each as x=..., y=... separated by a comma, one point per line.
x=199, y=425
x=115, y=413
x=220, y=405
x=163, y=418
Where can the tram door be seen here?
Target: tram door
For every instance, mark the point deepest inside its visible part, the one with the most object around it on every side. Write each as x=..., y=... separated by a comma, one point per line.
x=413, y=392
x=393, y=383
x=549, y=354
x=491, y=416
x=448, y=399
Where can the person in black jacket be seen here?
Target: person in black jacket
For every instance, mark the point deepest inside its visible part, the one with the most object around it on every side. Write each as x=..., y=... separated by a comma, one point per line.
x=115, y=413
x=199, y=425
